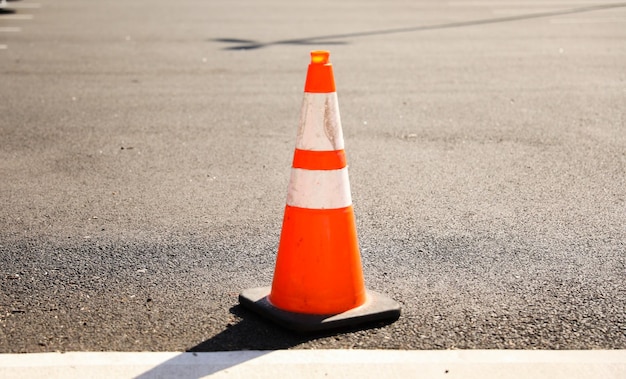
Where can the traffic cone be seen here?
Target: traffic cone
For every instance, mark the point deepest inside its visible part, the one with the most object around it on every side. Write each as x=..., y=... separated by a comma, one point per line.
x=318, y=281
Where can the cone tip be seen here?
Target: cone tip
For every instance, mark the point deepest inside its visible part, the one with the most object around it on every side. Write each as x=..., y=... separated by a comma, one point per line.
x=320, y=77
x=319, y=57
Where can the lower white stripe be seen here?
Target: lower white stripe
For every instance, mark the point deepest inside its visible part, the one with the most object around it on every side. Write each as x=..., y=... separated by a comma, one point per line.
x=319, y=189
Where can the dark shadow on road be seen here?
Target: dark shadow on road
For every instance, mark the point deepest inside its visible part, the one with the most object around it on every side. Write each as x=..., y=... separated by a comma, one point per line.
x=246, y=44
x=251, y=333
x=251, y=338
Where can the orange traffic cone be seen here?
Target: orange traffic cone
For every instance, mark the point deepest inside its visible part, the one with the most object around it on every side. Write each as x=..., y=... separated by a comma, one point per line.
x=318, y=280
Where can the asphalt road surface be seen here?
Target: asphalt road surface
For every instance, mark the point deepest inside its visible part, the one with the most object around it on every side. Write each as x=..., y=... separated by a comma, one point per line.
x=145, y=149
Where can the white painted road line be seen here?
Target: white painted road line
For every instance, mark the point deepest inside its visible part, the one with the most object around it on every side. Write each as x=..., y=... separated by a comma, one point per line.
x=379, y=364
x=10, y=29
x=24, y=6
x=2, y=47
x=17, y=17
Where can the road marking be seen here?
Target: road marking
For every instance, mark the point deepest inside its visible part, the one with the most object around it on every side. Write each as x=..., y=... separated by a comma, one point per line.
x=469, y=364
x=24, y=6
x=17, y=17
x=3, y=47
x=10, y=29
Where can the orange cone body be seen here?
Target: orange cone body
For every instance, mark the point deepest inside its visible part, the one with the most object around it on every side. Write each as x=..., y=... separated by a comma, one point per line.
x=318, y=266
x=318, y=281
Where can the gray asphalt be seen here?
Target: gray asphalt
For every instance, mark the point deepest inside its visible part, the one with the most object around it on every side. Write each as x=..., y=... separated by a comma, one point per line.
x=145, y=150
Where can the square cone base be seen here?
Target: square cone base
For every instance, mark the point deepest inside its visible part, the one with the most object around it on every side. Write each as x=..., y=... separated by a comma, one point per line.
x=377, y=308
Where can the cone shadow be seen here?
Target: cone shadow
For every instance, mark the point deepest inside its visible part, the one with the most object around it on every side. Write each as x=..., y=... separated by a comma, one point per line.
x=248, y=339
x=251, y=333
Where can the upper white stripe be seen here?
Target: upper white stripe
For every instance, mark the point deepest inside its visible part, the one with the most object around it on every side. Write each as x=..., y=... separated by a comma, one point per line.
x=319, y=189
x=320, y=123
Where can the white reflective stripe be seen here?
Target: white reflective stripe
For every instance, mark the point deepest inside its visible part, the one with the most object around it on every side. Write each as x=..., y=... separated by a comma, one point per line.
x=319, y=189
x=320, y=123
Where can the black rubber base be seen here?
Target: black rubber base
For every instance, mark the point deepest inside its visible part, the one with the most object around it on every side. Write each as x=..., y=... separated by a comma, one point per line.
x=377, y=308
